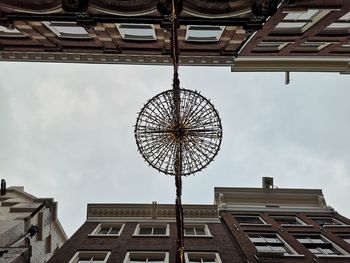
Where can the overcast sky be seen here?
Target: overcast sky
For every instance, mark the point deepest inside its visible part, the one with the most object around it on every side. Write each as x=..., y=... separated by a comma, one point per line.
x=67, y=132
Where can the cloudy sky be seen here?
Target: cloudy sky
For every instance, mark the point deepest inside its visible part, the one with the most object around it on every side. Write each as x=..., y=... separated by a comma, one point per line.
x=67, y=132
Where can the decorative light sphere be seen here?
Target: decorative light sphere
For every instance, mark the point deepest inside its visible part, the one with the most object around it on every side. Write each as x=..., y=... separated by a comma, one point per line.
x=160, y=135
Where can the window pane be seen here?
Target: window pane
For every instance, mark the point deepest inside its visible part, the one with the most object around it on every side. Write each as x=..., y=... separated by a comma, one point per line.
x=137, y=31
x=159, y=231
x=114, y=230
x=145, y=231
x=291, y=25
x=249, y=220
x=204, y=33
x=301, y=15
x=200, y=231
x=287, y=221
x=104, y=230
x=189, y=231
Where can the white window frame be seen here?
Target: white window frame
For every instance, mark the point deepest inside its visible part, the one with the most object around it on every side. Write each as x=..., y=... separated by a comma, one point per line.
x=125, y=36
x=321, y=45
x=79, y=254
x=265, y=46
x=190, y=38
x=282, y=26
x=51, y=25
x=146, y=254
x=340, y=224
x=102, y=225
x=342, y=251
x=203, y=255
x=204, y=226
x=11, y=33
x=289, y=247
x=302, y=223
x=251, y=224
x=153, y=225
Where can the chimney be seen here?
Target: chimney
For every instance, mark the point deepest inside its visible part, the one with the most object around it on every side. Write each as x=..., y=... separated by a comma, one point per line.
x=267, y=182
x=3, y=187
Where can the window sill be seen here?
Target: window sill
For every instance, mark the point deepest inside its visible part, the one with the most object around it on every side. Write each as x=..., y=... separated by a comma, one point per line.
x=103, y=235
x=198, y=236
x=258, y=225
x=150, y=235
x=289, y=225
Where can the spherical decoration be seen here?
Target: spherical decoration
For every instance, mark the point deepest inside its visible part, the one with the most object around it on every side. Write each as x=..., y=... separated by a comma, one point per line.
x=194, y=137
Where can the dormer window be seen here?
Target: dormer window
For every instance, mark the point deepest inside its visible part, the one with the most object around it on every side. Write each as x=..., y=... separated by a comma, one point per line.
x=204, y=33
x=67, y=29
x=137, y=32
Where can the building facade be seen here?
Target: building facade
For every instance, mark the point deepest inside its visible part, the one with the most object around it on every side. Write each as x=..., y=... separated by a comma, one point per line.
x=29, y=228
x=244, y=225
x=293, y=35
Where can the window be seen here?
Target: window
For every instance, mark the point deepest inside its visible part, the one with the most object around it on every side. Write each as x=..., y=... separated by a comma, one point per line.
x=266, y=46
x=152, y=230
x=342, y=26
x=140, y=32
x=249, y=220
x=319, y=245
x=90, y=257
x=202, y=257
x=106, y=229
x=146, y=257
x=288, y=221
x=346, y=238
x=310, y=46
x=327, y=221
x=270, y=243
x=197, y=230
x=296, y=22
x=204, y=33
x=67, y=29
x=10, y=32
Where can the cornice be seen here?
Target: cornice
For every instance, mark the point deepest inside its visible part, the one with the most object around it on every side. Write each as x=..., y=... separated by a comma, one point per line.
x=149, y=211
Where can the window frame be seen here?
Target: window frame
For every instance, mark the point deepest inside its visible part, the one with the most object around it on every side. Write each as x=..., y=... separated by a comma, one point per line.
x=204, y=39
x=152, y=37
x=6, y=32
x=101, y=225
x=263, y=222
x=153, y=225
x=267, y=46
x=340, y=224
x=51, y=25
x=206, y=230
x=146, y=253
x=202, y=254
x=325, y=242
x=302, y=223
x=288, y=248
x=78, y=254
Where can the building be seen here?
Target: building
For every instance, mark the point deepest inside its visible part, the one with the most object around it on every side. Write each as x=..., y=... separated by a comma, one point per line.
x=29, y=228
x=244, y=225
x=299, y=35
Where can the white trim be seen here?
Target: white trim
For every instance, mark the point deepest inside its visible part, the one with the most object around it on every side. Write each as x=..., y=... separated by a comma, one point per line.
x=203, y=39
x=153, y=225
x=51, y=25
x=302, y=223
x=251, y=224
x=76, y=256
x=136, y=37
x=206, y=230
x=146, y=253
x=99, y=226
x=203, y=254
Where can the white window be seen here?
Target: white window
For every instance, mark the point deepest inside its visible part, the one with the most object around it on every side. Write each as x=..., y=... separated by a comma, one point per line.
x=90, y=257
x=107, y=229
x=152, y=230
x=346, y=238
x=140, y=32
x=327, y=221
x=202, y=257
x=319, y=245
x=270, y=243
x=266, y=46
x=146, y=257
x=197, y=231
x=312, y=46
x=204, y=33
x=7, y=32
x=249, y=220
x=342, y=26
x=67, y=29
x=296, y=22
x=288, y=221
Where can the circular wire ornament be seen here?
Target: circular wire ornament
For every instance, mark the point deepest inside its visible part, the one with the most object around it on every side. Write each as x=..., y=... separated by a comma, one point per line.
x=197, y=133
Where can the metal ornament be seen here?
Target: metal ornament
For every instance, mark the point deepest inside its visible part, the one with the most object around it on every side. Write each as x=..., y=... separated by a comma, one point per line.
x=178, y=132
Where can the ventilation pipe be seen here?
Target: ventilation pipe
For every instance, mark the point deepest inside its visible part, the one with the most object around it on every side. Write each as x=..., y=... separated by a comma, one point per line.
x=3, y=187
x=267, y=182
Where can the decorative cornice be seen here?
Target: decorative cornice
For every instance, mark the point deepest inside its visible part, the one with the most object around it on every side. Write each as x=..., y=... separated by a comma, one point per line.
x=149, y=211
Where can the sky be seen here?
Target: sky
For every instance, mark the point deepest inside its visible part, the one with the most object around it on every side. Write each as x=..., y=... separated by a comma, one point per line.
x=66, y=131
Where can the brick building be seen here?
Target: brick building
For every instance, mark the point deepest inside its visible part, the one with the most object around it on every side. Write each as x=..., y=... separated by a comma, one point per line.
x=29, y=228
x=299, y=35
x=244, y=225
